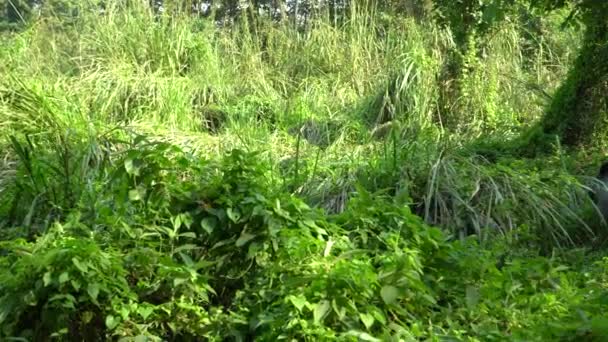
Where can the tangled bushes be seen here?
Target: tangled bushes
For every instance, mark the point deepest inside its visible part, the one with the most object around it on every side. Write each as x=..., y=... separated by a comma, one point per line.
x=216, y=250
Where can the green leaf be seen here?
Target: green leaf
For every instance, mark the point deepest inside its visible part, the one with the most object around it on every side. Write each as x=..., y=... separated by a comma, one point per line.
x=280, y=212
x=131, y=167
x=186, y=247
x=81, y=267
x=321, y=310
x=186, y=220
x=87, y=317
x=177, y=222
x=141, y=338
x=30, y=299
x=243, y=239
x=65, y=276
x=137, y=194
x=299, y=302
x=208, y=224
x=67, y=300
x=561, y=268
x=93, y=290
x=57, y=334
x=111, y=322
x=47, y=278
x=328, y=246
x=379, y=315
x=363, y=336
x=389, y=294
x=340, y=311
x=145, y=311
x=191, y=235
x=179, y=281
x=233, y=215
x=367, y=319
x=124, y=313
x=75, y=284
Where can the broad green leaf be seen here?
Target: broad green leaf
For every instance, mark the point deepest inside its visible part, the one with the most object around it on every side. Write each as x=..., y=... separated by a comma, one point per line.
x=141, y=338
x=363, y=336
x=57, y=334
x=111, y=322
x=137, y=194
x=177, y=222
x=320, y=311
x=87, y=317
x=124, y=313
x=145, y=311
x=379, y=315
x=65, y=276
x=47, y=278
x=429, y=298
x=389, y=294
x=69, y=301
x=208, y=224
x=80, y=266
x=299, y=302
x=131, y=168
x=367, y=319
x=75, y=284
x=243, y=239
x=233, y=215
x=30, y=298
x=280, y=211
x=93, y=290
x=186, y=220
x=191, y=235
x=179, y=281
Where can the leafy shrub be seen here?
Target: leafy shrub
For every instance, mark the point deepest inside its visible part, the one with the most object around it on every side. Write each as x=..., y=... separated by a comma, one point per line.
x=61, y=287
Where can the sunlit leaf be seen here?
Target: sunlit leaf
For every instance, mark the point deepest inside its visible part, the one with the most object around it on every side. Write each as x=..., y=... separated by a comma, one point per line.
x=145, y=311
x=321, y=310
x=65, y=276
x=363, y=336
x=367, y=319
x=131, y=167
x=389, y=294
x=299, y=302
x=79, y=265
x=93, y=290
x=179, y=281
x=47, y=278
x=111, y=322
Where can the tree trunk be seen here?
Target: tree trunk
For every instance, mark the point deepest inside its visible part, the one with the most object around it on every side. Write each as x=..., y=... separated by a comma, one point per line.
x=578, y=114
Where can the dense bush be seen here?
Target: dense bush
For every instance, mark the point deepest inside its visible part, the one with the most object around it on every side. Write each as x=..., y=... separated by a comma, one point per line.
x=217, y=251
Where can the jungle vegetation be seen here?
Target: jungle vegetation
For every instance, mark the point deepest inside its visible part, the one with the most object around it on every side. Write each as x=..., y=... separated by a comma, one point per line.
x=302, y=170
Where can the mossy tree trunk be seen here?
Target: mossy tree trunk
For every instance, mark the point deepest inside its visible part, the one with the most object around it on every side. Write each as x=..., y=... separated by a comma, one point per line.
x=578, y=114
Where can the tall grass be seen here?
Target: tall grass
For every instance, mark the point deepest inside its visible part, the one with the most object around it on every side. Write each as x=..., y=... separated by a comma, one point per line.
x=367, y=88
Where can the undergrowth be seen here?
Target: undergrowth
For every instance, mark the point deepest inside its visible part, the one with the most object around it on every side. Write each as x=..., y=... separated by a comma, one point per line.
x=177, y=247
x=163, y=177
